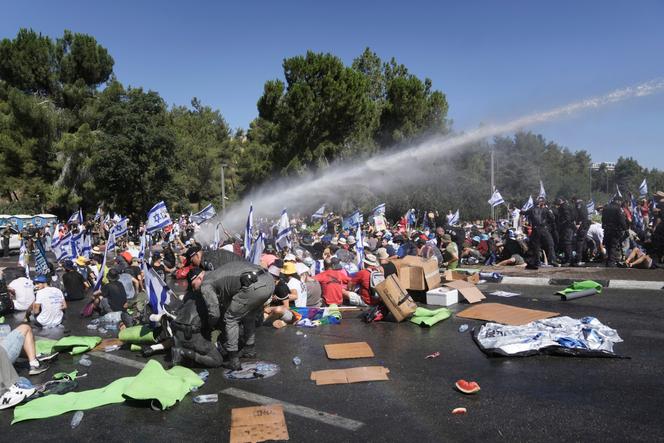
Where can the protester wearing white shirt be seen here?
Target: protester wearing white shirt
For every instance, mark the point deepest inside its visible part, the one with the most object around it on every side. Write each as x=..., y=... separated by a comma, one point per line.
x=49, y=303
x=24, y=293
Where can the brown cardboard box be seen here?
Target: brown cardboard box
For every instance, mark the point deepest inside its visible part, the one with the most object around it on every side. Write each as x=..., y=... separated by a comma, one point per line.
x=468, y=290
x=451, y=275
x=396, y=298
x=427, y=276
x=412, y=278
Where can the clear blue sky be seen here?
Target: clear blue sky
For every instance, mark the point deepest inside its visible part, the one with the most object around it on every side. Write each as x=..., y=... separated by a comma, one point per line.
x=494, y=59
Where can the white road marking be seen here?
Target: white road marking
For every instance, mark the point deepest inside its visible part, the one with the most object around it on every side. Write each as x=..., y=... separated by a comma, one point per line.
x=118, y=359
x=537, y=281
x=635, y=284
x=302, y=411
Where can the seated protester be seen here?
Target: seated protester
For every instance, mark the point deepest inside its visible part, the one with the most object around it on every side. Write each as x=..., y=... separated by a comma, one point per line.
x=268, y=256
x=333, y=281
x=22, y=339
x=314, y=291
x=637, y=258
x=389, y=268
x=81, y=266
x=113, y=298
x=425, y=250
x=277, y=310
x=22, y=292
x=74, y=283
x=295, y=284
x=136, y=272
x=129, y=282
x=48, y=308
x=363, y=281
x=511, y=252
x=170, y=261
x=450, y=253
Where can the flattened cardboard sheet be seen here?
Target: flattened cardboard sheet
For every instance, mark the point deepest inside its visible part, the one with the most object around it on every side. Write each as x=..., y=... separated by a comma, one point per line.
x=258, y=423
x=509, y=315
x=350, y=375
x=468, y=290
x=107, y=342
x=340, y=351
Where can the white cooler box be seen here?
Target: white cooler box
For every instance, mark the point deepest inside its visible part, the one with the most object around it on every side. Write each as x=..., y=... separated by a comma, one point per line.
x=442, y=296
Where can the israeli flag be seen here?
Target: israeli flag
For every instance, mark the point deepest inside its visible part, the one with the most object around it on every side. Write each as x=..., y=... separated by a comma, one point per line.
x=74, y=242
x=618, y=191
x=121, y=228
x=217, y=237
x=643, y=188
x=86, y=247
x=379, y=210
x=144, y=242
x=204, y=214
x=158, y=293
x=23, y=259
x=591, y=206
x=100, y=274
x=529, y=204
x=636, y=213
x=257, y=250
x=283, y=232
x=76, y=218
x=359, y=247
x=411, y=218
x=454, y=219
x=542, y=193
x=117, y=218
x=355, y=219
x=319, y=213
x=496, y=199
x=248, y=231
x=158, y=218
x=323, y=228
x=111, y=241
x=98, y=214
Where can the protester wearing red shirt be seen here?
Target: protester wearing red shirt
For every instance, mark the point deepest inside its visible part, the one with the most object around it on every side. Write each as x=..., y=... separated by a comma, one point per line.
x=363, y=279
x=333, y=281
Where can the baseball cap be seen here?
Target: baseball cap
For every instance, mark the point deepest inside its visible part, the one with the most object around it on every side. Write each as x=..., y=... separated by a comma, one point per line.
x=40, y=279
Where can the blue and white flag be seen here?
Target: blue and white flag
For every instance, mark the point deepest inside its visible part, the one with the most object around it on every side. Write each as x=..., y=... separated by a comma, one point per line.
x=102, y=269
x=323, y=227
x=157, y=291
x=41, y=263
x=76, y=218
x=86, y=245
x=319, y=213
x=591, y=206
x=158, y=218
x=496, y=199
x=117, y=217
x=454, y=219
x=352, y=220
x=120, y=228
x=257, y=250
x=61, y=247
x=248, y=231
x=111, y=241
x=637, y=217
x=98, y=214
x=217, y=237
x=643, y=188
x=529, y=204
x=283, y=232
x=75, y=244
x=378, y=210
x=144, y=242
x=542, y=193
x=359, y=247
x=23, y=259
x=618, y=191
x=411, y=218
x=204, y=214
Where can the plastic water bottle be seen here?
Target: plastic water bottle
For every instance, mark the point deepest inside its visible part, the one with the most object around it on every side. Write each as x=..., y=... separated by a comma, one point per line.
x=204, y=374
x=76, y=419
x=463, y=328
x=92, y=327
x=297, y=361
x=85, y=361
x=102, y=330
x=111, y=348
x=209, y=398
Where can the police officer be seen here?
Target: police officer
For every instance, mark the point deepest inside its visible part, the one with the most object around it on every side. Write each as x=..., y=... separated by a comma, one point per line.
x=191, y=331
x=582, y=221
x=236, y=292
x=566, y=229
x=614, y=224
x=540, y=219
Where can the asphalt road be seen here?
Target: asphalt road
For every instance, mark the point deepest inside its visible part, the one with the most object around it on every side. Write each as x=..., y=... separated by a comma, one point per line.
x=539, y=398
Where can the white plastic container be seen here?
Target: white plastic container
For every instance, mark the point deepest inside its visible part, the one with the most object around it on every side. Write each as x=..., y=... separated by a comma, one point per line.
x=443, y=296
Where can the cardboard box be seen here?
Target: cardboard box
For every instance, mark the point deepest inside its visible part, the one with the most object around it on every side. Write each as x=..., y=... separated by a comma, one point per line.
x=396, y=298
x=426, y=276
x=467, y=290
x=443, y=296
x=451, y=275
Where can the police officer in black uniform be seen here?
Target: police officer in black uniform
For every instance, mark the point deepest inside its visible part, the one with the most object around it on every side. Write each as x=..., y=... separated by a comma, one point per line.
x=614, y=224
x=582, y=222
x=540, y=219
x=566, y=229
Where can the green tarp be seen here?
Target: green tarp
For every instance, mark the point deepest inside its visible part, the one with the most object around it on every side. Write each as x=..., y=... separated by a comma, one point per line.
x=581, y=286
x=153, y=383
x=429, y=317
x=74, y=344
x=137, y=334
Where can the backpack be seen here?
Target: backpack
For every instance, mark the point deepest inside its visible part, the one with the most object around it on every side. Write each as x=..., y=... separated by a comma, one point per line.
x=375, y=278
x=6, y=302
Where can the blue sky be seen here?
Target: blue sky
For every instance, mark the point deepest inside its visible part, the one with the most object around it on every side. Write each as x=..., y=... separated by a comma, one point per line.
x=494, y=60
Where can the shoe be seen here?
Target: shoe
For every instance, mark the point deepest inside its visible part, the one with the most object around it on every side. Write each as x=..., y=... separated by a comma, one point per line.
x=14, y=396
x=176, y=356
x=233, y=362
x=532, y=267
x=248, y=351
x=46, y=357
x=36, y=370
x=147, y=351
x=467, y=387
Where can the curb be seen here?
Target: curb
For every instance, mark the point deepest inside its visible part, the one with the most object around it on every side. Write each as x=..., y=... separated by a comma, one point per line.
x=613, y=284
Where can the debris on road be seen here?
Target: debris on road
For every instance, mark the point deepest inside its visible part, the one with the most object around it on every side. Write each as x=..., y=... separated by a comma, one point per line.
x=350, y=375
x=258, y=423
x=434, y=355
x=467, y=387
x=459, y=411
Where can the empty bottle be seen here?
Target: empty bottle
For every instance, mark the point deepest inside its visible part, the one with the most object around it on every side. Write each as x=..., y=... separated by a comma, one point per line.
x=111, y=348
x=85, y=361
x=204, y=374
x=102, y=330
x=209, y=398
x=297, y=361
x=92, y=327
x=463, y=328
x=76, y=419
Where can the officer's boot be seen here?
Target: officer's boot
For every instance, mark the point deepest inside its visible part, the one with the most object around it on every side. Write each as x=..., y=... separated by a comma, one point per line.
x=249, y=351
x=233, y=362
